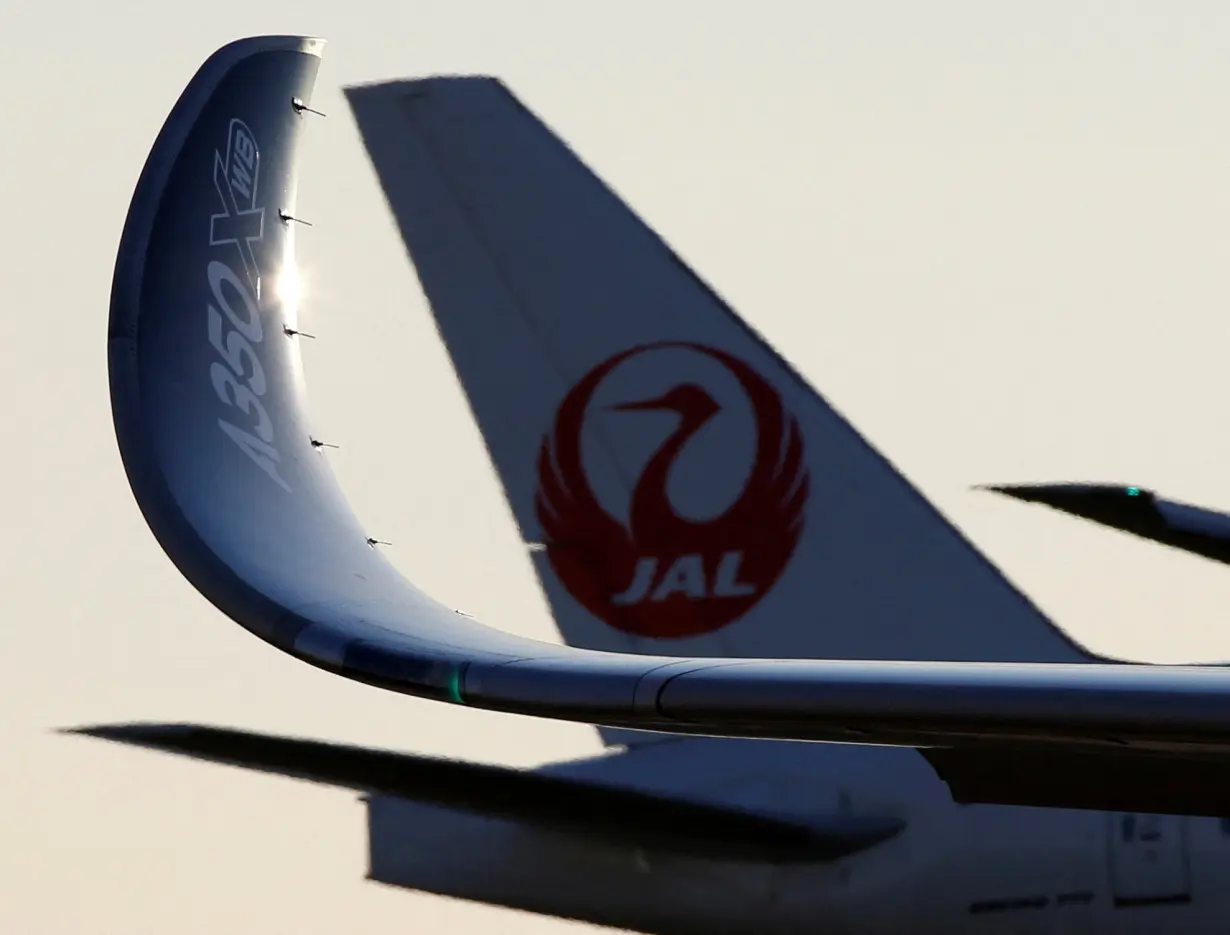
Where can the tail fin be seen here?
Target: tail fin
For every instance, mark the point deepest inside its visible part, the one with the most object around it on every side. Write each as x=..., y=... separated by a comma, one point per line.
x=682, y=488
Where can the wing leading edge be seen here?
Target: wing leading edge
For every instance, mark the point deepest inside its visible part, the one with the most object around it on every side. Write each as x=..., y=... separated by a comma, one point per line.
x=208, y=403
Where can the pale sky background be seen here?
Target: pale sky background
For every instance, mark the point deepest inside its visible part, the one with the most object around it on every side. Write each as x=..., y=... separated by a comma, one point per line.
x=997, y=236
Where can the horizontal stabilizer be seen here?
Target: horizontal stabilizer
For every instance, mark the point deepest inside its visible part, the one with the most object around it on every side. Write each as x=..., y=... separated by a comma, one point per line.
x=1137, y=511
x=618, y=815
x=1152, y=783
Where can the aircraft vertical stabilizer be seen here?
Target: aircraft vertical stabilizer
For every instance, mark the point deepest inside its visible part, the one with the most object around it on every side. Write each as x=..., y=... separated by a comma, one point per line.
x=683, y=488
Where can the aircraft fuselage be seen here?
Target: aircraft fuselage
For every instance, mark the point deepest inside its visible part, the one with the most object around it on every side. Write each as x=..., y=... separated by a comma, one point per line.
x=955, y=868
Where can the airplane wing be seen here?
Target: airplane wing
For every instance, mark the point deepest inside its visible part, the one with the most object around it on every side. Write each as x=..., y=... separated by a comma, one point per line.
x=616, y=814
x=209, y=410
x=1137, y=511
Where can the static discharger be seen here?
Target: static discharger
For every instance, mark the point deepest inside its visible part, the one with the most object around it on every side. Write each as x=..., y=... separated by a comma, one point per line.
x=302, y=108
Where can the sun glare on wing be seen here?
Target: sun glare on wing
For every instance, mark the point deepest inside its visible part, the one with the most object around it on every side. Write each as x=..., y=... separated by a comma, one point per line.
x=290, y=287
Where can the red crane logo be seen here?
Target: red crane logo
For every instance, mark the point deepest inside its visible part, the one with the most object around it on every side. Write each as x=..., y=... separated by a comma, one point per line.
x=665, y=576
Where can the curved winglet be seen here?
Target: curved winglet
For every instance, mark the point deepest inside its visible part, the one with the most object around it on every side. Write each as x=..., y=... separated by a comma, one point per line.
x=207, y=390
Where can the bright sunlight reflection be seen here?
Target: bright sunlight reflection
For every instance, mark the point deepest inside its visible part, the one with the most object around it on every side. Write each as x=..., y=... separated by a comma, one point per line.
x=290, y=287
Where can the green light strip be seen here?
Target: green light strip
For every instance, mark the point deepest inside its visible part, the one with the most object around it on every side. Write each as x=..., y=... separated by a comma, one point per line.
x=454, y=686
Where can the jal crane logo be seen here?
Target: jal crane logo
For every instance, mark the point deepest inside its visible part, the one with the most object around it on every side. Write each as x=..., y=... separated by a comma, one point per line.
x=662, y=575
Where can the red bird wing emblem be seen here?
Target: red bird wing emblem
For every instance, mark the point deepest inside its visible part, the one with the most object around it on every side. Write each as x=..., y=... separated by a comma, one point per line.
x=665, y=576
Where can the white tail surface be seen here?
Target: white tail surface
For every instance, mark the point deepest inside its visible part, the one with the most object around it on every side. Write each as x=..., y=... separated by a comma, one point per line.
x=682, y=487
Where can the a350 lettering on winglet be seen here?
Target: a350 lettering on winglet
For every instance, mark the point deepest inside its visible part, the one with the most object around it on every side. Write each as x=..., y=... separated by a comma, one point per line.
x=235, y=328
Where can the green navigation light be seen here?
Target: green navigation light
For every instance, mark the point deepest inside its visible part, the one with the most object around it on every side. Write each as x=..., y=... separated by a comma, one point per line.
x=454, y=687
